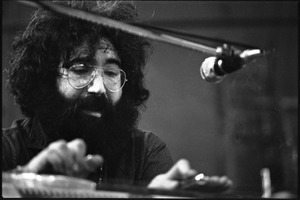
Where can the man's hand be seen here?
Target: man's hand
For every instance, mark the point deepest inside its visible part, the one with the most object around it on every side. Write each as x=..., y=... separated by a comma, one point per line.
x=182, y=176
x=171, y=180
x=67, y=158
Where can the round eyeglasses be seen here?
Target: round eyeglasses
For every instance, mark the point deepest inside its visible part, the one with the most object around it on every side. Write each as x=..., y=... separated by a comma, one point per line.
x=81, y=75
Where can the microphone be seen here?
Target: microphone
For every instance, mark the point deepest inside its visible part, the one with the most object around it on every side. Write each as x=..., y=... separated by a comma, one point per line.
x=215, y=69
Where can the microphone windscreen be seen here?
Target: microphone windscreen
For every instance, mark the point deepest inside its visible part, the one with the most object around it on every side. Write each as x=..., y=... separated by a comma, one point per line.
x=208, y=71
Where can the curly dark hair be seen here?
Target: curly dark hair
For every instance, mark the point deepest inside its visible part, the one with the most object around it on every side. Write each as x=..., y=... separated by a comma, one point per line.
x=50, y=39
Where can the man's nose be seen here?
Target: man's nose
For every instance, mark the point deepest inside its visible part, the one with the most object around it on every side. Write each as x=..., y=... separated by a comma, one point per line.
x=97, y=85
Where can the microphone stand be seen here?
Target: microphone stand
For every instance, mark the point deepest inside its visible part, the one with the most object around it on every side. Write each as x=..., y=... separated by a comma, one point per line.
x=161, y=35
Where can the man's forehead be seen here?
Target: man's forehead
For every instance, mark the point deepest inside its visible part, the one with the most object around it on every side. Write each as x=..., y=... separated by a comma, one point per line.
x=84, y=50
x=105, y=44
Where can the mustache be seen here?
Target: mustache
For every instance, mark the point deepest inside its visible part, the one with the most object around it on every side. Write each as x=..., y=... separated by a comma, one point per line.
x=94, y=103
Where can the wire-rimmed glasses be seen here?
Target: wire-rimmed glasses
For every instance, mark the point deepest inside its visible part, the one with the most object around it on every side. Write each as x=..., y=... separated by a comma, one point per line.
x=81, y=75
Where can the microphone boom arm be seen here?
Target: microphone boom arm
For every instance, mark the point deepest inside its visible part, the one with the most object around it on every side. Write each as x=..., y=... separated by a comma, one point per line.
x=129, y=28
x=161, y=37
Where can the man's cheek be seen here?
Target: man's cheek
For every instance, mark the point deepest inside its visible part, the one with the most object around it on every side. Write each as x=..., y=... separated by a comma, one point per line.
x=66, y=90
x=114, y=97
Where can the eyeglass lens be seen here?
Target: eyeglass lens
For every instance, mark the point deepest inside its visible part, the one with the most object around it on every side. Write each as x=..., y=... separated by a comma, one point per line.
x=80, y=76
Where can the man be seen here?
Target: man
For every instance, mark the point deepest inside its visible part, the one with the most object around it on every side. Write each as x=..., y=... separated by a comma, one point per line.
x=80, y=85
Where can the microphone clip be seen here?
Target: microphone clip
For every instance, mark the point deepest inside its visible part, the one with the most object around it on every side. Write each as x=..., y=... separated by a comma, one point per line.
x=228, y=60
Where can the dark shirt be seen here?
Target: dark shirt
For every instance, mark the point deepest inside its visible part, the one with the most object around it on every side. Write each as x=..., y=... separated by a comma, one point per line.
x=145, y=157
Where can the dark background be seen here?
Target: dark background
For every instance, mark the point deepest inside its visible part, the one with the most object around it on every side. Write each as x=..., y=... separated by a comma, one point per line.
x=247, y=122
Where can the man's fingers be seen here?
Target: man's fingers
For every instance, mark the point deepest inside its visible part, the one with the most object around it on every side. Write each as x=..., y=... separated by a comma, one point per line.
x=56, y=153
x=162, y=182
x=221, y=183
x=78, y=148
x=181, y=170
x=65, y=158
x=62, y=156
x=210, y=184
x=174, y=172
x=57, y=161
x=92, y=162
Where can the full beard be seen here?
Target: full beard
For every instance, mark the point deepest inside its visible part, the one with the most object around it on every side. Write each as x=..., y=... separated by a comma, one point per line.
x=106, y=135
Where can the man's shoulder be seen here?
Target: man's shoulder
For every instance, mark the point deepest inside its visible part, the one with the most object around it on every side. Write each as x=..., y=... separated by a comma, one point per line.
x=13, y=144
x=147, y=137
x=140, y=133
